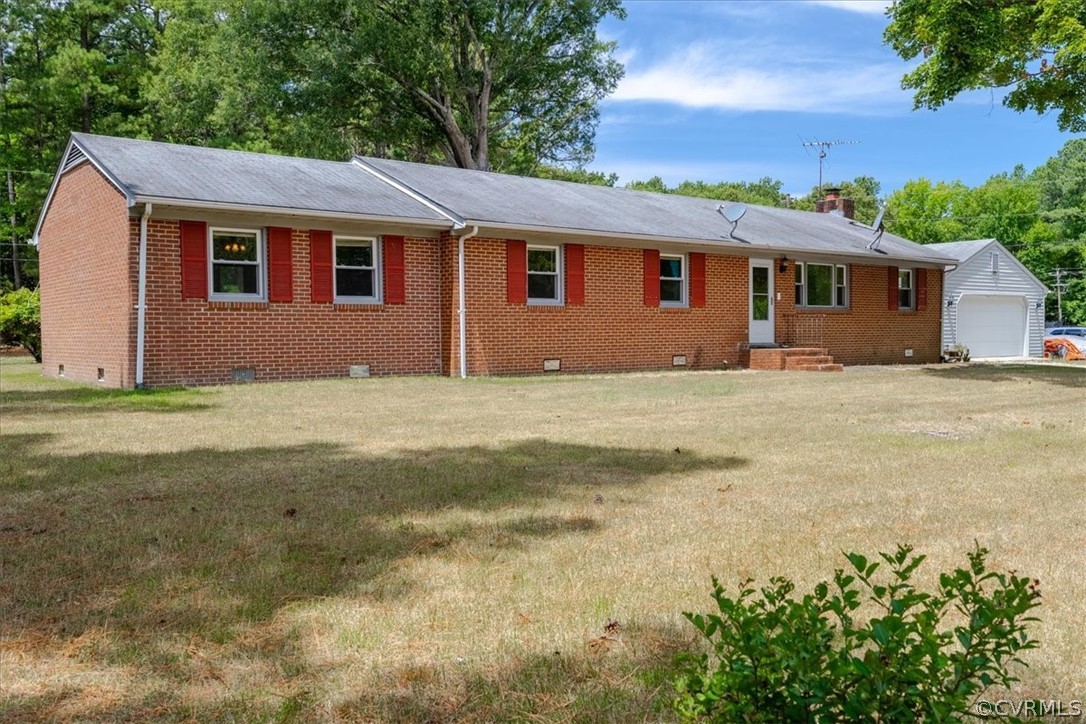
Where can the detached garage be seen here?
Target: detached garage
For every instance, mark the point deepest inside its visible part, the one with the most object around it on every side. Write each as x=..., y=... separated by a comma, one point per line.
x=991, y=303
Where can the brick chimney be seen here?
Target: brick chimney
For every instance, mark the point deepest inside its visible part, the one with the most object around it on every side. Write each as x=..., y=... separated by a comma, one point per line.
x=835, y=204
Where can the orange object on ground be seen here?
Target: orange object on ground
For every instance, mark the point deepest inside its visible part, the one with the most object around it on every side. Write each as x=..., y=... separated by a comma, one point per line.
x=1064, y=348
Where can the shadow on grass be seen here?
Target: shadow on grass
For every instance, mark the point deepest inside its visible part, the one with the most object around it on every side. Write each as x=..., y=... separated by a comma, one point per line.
x=630, y=677
x=115, y=557
x=981, y=372
x=78, y=398
x=201, y=541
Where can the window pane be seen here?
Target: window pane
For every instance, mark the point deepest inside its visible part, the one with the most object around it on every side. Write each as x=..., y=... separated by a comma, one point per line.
x=543, y=260
x=354, y=283
x=672, y=268
x=235, y=278
x=819, y=285
x=354, y=255
x=543, y=286
x=671, y=290
x=841, y=301
x=905, y=298
x=759, y=280
x=760, y=308
x=904, y=279
x=230, y=246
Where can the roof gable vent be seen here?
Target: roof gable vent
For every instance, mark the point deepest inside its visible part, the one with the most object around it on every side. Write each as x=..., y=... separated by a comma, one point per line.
x=74, y=158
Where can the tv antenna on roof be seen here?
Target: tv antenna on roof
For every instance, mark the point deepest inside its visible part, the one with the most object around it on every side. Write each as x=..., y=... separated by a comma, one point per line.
x=822, y=146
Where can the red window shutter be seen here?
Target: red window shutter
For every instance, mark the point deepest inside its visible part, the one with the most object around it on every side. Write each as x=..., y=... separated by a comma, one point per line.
x=697, y=279
x=891, y=289
x=516, y=272
x=574, y=274
x=193, y=260
x=395, y=286
x=921, y=289
x=320, y=266
x=280, y=265
x=652, y=278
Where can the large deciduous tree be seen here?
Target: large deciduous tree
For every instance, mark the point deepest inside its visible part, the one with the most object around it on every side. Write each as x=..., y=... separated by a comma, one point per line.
x=505, y=84
x=1035, y=49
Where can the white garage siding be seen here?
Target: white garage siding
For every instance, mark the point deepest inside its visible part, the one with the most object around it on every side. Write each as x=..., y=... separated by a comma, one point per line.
x=987, y=311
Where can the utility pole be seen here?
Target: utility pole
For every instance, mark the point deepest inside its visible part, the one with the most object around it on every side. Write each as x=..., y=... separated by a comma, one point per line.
x=1059, y=294
x=17, y=277
x=822, y=146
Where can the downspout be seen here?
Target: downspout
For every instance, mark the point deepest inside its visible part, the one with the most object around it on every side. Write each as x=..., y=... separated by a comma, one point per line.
x=141, y=298
x=462, y=314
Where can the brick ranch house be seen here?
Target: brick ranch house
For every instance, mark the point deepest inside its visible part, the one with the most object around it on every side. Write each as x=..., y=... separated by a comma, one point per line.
x=175, y=265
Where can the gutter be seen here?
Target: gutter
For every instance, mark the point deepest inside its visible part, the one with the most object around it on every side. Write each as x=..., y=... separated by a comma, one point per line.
x=280, y=210
x=462, y=313
x=743, y=249
x=141, y=298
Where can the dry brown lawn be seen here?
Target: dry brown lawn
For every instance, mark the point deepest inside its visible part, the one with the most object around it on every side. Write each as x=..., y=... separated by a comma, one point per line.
x=433, y=549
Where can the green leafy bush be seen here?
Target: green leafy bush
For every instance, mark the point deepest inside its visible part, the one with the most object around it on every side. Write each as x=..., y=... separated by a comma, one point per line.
x=919, y=657
x=20, y=320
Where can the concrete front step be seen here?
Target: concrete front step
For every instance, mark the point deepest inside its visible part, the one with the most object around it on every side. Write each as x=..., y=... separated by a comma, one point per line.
x=817, y=368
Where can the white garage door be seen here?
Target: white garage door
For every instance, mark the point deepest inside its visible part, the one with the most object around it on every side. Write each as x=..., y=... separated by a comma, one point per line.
x=992, y=326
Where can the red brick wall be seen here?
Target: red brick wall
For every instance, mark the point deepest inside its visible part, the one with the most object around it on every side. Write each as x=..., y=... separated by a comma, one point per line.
x=612, y=330
x=88, y=291
x=88, y=265
x=868, y=332
x=197, y=342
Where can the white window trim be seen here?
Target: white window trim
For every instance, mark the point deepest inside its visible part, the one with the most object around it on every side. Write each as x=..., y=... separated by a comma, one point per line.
x=684, y=280
x=261, y=266
x=911, y=287
x=835, y=270
x=559, y=285
x=337, y=298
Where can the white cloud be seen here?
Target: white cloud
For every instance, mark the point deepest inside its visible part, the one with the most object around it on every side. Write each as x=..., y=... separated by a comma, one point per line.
x=866, y=7
x=728, y=78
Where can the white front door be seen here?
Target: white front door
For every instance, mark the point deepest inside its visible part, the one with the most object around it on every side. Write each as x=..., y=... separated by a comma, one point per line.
x=761, y=301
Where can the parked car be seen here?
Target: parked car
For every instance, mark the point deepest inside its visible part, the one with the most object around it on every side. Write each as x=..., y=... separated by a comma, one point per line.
x=1061, y=331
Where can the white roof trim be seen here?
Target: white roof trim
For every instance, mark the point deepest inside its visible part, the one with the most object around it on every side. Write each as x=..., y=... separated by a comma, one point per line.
x=64, y=168
x=286, y=211
x=458, y=223
x=723, y=245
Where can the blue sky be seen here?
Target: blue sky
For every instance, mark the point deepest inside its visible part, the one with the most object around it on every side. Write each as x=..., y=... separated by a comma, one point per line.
x=726, y=90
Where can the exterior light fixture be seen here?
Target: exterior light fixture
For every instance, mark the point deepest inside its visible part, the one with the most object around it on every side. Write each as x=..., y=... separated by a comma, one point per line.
x=783, y=266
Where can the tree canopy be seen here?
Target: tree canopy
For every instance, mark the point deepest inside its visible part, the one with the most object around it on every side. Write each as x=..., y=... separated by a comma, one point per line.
x=1034, y=48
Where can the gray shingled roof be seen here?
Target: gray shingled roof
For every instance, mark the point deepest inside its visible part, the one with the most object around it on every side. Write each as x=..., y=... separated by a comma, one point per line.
x=961, y=250
x=483, y=198
x=420, y=193
x=191, y=173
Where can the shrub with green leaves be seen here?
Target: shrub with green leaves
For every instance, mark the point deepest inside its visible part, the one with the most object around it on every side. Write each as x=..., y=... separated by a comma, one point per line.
x=20, y=320
x=918, y=657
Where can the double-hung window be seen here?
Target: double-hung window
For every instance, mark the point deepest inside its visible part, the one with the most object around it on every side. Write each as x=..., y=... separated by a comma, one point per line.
x=356, y=277
x=906, y=298
x=237, y=264
x=821, y=285
x=672, y=280
x=544, y=275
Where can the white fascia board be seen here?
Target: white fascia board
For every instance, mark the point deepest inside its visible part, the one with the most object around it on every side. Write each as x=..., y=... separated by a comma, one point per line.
x=724, y=245
x=457, y=222
x=129, y=199
x=284, y=211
